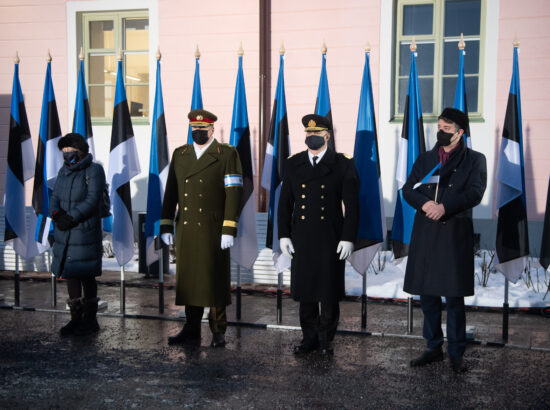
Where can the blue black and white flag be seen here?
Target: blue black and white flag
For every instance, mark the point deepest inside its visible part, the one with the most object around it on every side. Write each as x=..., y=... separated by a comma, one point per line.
x=196, y=99
x=512, y=242
x=411, y=145
x=276, y=152
x=545, y=242
x=20, y=168
x=461, y=102
x=372, y=221
x=322, y=103
x=49, y=160
x=82, y=120
x=123, y=166
x=245, y=249
x=159, y=162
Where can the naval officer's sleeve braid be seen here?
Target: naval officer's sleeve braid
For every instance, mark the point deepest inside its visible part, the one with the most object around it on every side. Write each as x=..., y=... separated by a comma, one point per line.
x=170, y=200
x=350, y=197
x=233, y=182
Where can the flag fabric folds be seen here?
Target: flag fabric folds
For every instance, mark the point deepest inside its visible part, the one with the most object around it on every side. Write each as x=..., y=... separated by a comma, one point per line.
x=545, y=242
x=512, y=242
x=460, y=96
x=49, y=160
x=196, y=99
x=276, y=152
x=322, y=103
x=411, y=145
x=372, y=221
x=82, y=121
x=159, y=162
x=123, y=166
x=20, y=167
x=245, y=249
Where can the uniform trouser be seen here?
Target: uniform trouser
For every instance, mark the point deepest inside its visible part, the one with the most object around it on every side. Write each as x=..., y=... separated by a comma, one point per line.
x=319, y=328
x=217, y=319
x=456, y=323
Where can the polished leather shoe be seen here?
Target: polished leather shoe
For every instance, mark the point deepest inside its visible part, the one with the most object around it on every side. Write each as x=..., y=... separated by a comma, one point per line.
x=218, y=340
x=326, y=351
x=429, y=356
x=457, y=365
x=185, y=336
x=304, y=348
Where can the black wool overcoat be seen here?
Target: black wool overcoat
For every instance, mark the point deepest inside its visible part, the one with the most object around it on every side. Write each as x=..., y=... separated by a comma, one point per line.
x=311, y=214
x=441, y=253
x=78, y=191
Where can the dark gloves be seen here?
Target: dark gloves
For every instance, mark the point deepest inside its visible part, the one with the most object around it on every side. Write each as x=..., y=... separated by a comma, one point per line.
x=63, y=221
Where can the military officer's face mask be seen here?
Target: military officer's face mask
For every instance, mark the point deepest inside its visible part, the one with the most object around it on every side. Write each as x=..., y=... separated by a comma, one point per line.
x=200, y=136
x=315, y=142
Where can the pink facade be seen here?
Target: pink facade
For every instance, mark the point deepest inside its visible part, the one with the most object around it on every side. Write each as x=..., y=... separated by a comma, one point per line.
x=32, y=27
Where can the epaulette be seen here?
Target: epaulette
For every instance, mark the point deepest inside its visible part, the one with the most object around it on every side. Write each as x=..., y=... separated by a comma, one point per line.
x=290, y=156
x=183, y=149
x=346, y=155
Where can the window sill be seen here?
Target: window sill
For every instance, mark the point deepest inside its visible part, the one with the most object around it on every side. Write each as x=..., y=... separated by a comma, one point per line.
x=432, y=119
x=108, y=121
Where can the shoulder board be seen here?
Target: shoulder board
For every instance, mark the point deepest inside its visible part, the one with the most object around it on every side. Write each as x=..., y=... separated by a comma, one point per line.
x=290, y=156
x=347, y=155
x=183, y=148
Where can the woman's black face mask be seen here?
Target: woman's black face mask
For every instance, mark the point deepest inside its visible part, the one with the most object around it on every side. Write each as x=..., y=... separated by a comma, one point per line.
x=71, y=157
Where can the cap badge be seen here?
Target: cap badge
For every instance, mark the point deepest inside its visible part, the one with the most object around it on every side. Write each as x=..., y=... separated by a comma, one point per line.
x=199, y=117
x=311, y=123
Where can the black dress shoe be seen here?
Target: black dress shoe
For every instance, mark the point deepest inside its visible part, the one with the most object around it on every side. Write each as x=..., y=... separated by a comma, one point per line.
x=185, y=336
x=429, y=356
x=457, y=365
x=304, y=348
x=326, y=351
x=218, y=340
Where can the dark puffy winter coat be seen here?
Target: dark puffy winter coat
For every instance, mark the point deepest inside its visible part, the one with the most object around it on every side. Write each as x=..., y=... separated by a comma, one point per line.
x=78, y=191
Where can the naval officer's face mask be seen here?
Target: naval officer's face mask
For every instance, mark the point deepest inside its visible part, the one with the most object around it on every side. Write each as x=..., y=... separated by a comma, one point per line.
x=315, y=142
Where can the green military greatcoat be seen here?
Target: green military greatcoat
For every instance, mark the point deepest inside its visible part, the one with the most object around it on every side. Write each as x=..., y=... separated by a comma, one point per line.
x=208, y=193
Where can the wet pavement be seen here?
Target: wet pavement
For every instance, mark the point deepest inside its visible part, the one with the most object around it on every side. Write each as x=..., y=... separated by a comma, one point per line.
x=129, y=364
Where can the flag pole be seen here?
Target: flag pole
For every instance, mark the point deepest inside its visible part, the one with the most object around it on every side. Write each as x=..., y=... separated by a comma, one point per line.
x=279, y=298
x=160, y=246
x=238, y=314
x=53, y=282
x=505, y=312
x=364, y=303
x=16, y=279
x=122, y=291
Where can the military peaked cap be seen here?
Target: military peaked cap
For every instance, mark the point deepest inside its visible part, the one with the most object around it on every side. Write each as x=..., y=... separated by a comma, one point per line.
x=314, y=122
x=201, y=118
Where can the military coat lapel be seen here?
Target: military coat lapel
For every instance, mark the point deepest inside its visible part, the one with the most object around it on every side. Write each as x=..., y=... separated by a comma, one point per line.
x=208, y=158
x=307, y=172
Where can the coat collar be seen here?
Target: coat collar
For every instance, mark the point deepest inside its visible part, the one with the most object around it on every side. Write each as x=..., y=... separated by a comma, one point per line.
x=456, y=158
x=210, y=156
x=82, y=164
x=305, y=171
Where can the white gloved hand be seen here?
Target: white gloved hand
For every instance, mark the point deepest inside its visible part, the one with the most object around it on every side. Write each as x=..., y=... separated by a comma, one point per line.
x=345, y=249
x=167, y=238
x=286, y=246
x=227, y=241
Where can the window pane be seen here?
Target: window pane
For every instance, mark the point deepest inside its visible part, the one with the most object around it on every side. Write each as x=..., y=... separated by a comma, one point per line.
x=403, y=82
x=424, y=59
x=462, y=16
x=426, y=86
x=102, y=34
x=137, y=68
x=417, y=19
x=472, y=86
x=449, y=89
x=101, y=101
x=136, y=34
x=471, y=59
x=102, y=69
x=138, y=100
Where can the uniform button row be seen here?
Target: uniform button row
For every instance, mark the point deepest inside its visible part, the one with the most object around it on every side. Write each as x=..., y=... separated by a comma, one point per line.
x=187, y=181
x=186, y=194
x=185, y=223
x=322, y=186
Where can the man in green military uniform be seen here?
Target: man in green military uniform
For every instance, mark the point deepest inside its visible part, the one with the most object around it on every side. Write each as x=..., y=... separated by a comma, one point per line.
x=205, y=183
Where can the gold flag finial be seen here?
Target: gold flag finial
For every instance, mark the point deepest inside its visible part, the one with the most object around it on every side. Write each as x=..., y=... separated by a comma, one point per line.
x=16, y=60
x=240, y=51
x=413, y=45
x=197, y=52
x=461, y=43
x=158, y=55
x=368, y=47
x=49, y=56
x=81, y=54
x=516, y=41
x=324, y=47
x=282, y=50
x=119, y=55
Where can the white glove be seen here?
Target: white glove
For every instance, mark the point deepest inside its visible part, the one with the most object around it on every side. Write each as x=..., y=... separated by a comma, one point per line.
x=227, y=241
x=167, y=238
x=345, y=249
x=286, y=246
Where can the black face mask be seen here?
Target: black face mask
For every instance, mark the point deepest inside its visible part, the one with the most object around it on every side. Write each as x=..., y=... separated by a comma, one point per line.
x=444, y=138
x=200, y=136
x=314, y=142
x=71, y=157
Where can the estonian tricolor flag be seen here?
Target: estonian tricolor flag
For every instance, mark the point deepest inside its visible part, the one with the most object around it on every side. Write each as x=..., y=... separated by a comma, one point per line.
x=196, y=99
x=461, y=102
x=82, y=121
x=545, y=242
x=322, y=103
x=245, y=249
x=123, y=166
x=512, y=243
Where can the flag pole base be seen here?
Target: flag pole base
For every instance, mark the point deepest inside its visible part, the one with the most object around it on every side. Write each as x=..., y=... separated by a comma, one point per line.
x=410, y=316
x=238, y=312
x=16, y=281
x=505, y=317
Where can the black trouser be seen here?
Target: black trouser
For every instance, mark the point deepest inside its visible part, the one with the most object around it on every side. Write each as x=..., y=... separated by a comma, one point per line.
x=319, y=328
x=75, y=286
x=217, y=319
x=456, y=323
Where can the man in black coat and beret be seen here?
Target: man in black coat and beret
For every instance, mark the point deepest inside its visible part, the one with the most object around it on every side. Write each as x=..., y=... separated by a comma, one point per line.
x=443, y=186
x=315, y=232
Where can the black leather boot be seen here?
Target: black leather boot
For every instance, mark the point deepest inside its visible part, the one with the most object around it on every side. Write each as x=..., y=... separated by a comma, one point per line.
x=429, y=356
x=76, y=316
x=88, y=323
x=186, y=335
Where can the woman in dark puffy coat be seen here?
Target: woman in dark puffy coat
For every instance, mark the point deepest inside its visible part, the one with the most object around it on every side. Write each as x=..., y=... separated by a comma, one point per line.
x=76, y=207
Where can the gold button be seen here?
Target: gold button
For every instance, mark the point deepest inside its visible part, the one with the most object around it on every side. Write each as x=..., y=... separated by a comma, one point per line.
x=200, y=209
x=185, y=208
x=201, y=181
x=322, y=217
x=322, y=187
x=186, y=194
x=200, y=195
x=186, y=181
x=303, y=185
x=322, y=197
x=185, y=222
x=303, y=207
x=303, y=196
x=198, y=223
x=303, y=217
x=322, y=208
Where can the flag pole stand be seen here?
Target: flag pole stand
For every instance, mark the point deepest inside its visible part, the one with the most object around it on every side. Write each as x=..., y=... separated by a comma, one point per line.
x=16, y=279
x=160, y=246
x=410, y=315
x=238, y=313
x=53, y=282
x=364, y=303
x=122, y=291
x=505, y=313
x=279, y=298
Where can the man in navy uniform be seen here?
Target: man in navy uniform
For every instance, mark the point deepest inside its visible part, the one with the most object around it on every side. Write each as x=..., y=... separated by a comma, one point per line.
x=315, y=232
x=441, y=254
